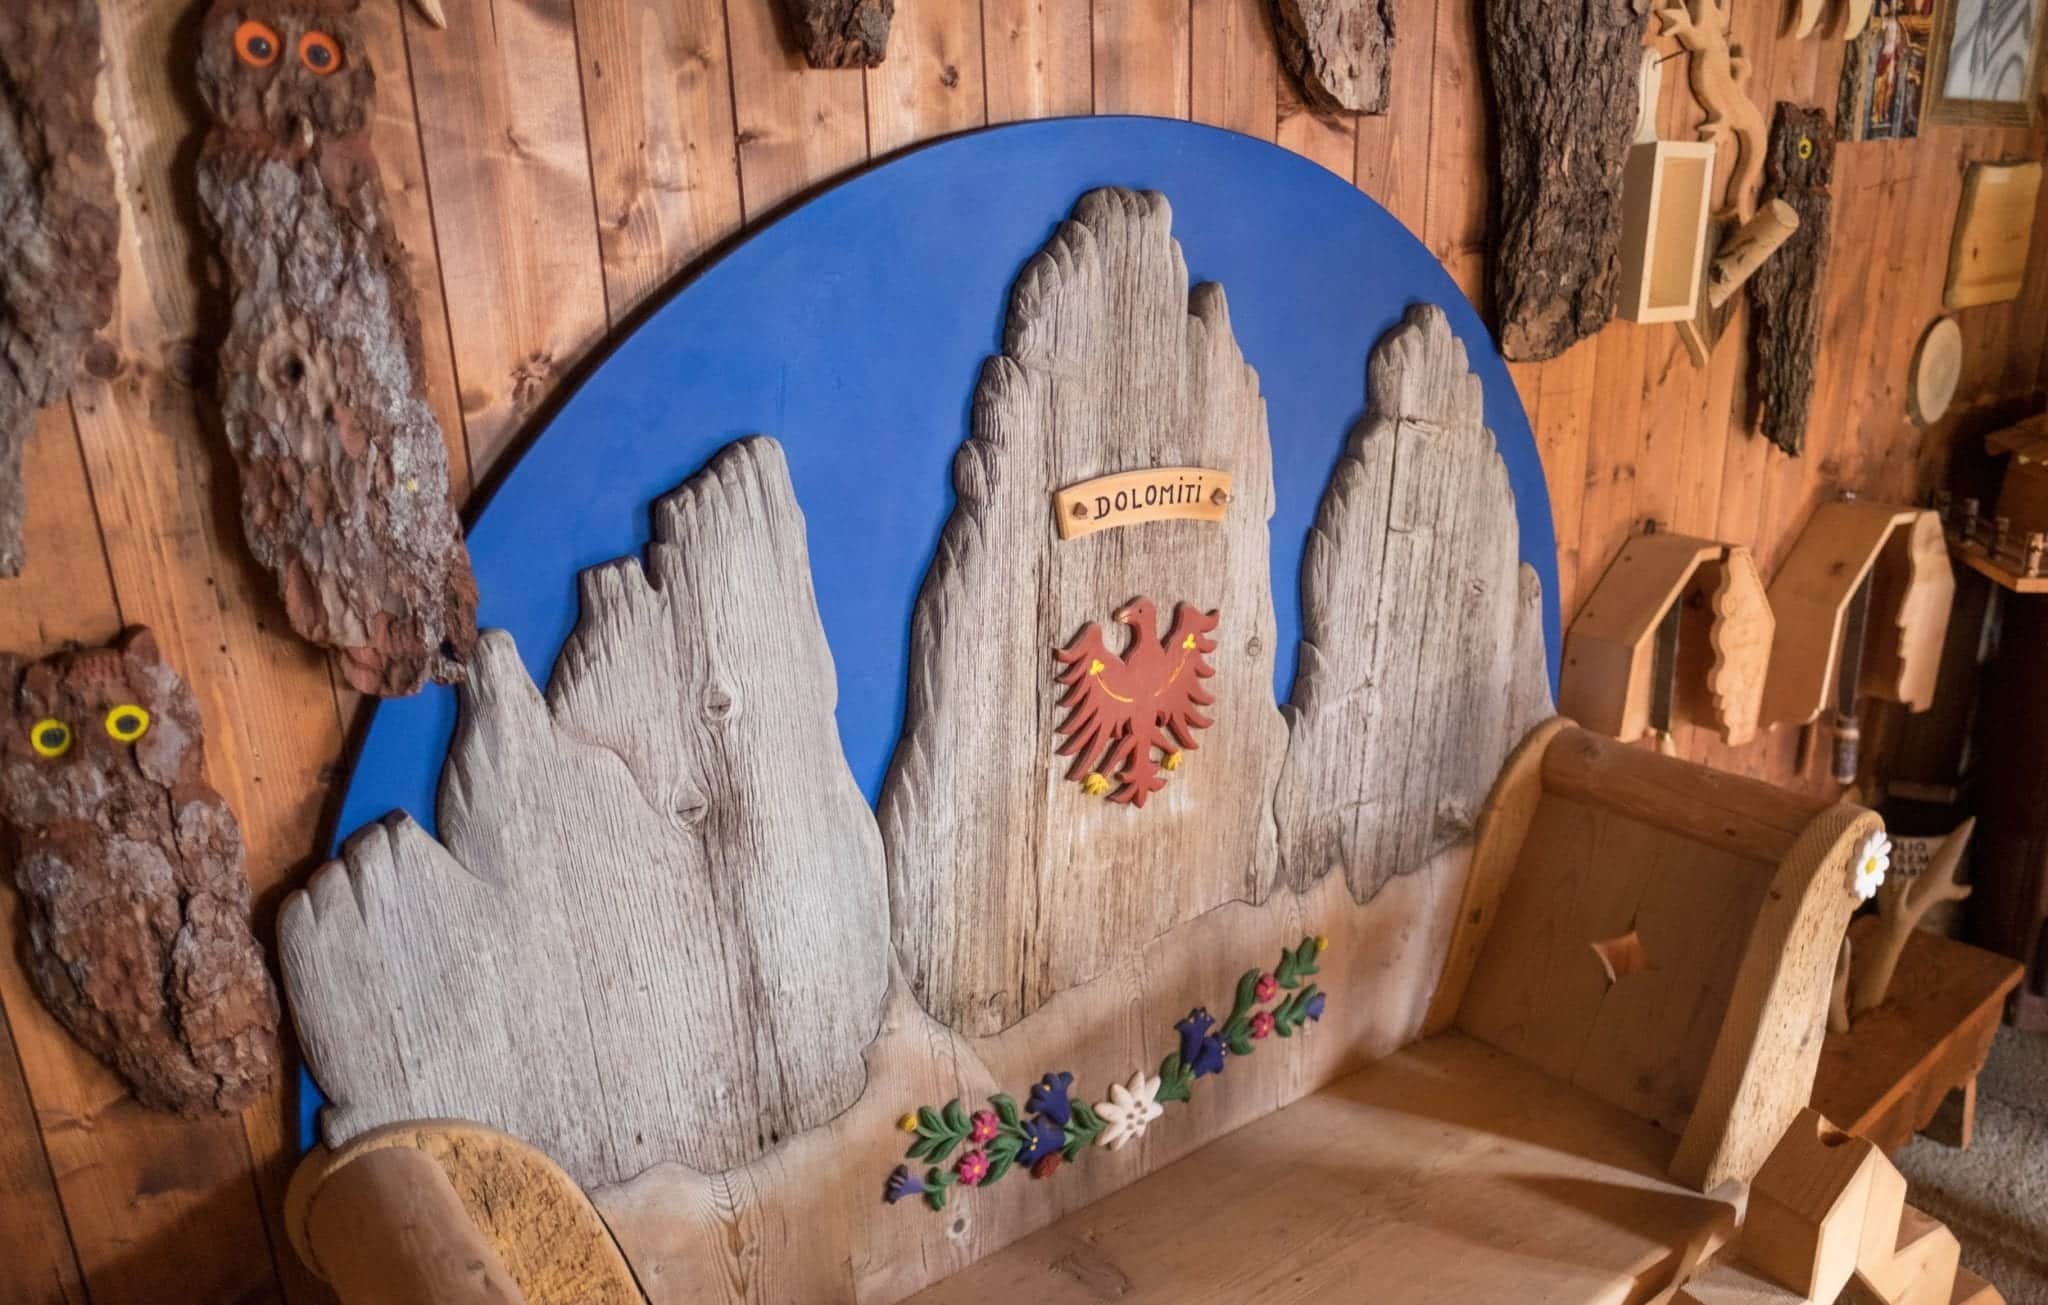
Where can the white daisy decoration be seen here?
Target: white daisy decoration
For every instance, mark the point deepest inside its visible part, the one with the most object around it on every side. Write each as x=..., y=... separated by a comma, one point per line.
x=1873, y=861
x=1129, y=1109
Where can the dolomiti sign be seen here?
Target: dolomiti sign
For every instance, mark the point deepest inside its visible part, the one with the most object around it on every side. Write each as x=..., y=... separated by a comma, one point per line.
x=1152, y=494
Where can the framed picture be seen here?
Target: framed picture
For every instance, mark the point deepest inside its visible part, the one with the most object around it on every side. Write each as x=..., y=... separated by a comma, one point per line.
x=1986, y=62
x=1884, y=76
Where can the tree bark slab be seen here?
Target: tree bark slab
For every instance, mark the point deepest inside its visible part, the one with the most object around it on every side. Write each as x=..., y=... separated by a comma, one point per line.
x=1785, y=294
x=1338, y=51
x=841, y=33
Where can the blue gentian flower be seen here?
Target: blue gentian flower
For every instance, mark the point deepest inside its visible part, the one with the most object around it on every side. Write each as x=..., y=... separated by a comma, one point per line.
x=1049, y=1098
x=1314, y=1009
x=902, y=1183
x=1042, y=1137
x=1200, y=1050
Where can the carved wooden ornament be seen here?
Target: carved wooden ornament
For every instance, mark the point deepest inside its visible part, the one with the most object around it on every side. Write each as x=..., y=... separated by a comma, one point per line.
x=1406, y=700
x=1131, y=498
x=655, y=928
x=58, y=225
x=344, y=469
x=130, y=870
x=1719, y=75
x=1125, y=709
x=1008, y=883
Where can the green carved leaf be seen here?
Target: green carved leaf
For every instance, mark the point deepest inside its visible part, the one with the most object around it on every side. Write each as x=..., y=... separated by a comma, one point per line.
x=998, y=1165
x=928, y=1121
x=1006, y=1108
x=956, y=1117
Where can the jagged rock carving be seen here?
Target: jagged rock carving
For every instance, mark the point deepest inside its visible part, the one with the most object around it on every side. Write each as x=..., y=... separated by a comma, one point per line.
x=343, y=466
x=1422, y=658
x=658, y=930
x=59, y=225
x=1337, y=51
x=1564, y=79
x=130, y=871
x=842, y=33
x=1007, y=883
x=1785, y=294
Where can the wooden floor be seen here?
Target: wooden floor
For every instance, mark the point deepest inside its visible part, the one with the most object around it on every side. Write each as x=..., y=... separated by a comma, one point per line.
x=554, y=165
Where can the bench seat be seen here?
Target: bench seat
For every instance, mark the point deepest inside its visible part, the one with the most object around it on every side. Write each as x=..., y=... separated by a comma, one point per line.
x=1446, y=1172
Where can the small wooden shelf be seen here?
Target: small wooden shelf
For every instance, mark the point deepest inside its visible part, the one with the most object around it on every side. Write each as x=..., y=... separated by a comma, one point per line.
x=1974, y=557
x=1448, y=1171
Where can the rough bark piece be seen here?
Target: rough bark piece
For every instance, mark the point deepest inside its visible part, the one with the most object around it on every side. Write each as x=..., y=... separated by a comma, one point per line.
x=1415, y=628
x=1008, y=884
x=59, y=268
x=658, y=929
x=1785, y=294
x=344, y=469
x=1337, y=51
x=130, y=870
x=842, y=33
x=1564, y=79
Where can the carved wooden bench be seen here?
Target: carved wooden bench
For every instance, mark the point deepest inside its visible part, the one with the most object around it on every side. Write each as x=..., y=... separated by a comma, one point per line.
x=1408, y=982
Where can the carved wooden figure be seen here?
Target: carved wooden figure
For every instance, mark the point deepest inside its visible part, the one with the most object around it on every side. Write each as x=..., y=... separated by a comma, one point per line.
x=1785, y=294
x=1337, y=50
x=58, y=225
x=343, y=466
x=1126, y=708
x=1564, y=97
x=1719, y=74
x=840, y=33
x=130, y=870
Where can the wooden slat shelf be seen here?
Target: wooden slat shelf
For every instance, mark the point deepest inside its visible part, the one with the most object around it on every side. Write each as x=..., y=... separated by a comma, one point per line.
x=1997, y=572
x=1447, y=1172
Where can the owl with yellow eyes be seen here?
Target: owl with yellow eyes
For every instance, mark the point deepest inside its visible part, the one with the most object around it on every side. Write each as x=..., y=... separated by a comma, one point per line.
x=344, y=470
x=130, y=871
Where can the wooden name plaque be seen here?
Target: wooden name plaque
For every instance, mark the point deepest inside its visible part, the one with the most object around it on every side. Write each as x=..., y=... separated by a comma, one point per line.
x=1150, y=494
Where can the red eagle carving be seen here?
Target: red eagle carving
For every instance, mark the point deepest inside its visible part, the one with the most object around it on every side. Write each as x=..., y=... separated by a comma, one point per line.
x=1123, y=708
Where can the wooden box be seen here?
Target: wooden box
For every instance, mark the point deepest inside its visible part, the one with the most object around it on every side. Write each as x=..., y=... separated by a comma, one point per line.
x=1667, y=196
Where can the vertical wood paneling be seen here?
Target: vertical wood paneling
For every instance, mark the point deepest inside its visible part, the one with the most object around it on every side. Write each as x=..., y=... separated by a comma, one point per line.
x=554, y=165
x=35, y=1244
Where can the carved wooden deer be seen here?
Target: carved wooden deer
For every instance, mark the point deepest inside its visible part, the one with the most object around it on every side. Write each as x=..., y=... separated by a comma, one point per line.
x=1719, y=73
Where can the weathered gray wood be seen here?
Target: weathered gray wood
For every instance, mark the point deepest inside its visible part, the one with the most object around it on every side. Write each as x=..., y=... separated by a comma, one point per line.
x=658, y=931
x=1337, y=50
x=1009, y=883
x=1421, y=654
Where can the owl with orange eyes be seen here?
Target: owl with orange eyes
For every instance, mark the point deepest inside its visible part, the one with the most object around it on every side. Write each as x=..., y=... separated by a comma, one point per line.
x=130, y=872
x=344, y=470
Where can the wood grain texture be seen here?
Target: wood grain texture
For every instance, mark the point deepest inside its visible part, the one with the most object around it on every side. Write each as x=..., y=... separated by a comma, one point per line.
x=1007, y=883
x=1564, y=81
x=58, y=225
x=1404, y=704
x=1338, y=51
x=1786, y=293
x=665, y=856
x=1987, y=258
x=485, y=1195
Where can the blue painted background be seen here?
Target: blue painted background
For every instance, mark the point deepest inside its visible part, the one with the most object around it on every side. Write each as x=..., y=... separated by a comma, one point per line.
x=853, y=329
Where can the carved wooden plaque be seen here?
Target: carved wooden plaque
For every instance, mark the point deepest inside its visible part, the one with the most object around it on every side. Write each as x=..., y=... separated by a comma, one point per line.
x=1009, y=884
x=657, y=929
x=1131, y=498
x=1422, y=645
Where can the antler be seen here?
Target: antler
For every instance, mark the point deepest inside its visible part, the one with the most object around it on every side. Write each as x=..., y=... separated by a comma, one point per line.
x=1838, y=995
x=1901, y=904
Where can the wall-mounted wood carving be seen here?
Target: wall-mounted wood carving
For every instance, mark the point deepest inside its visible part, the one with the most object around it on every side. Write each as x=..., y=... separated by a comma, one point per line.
x=1132, y=498
x=1337, y=51
x=841, y=33
x=1130, y=716
x=1564, y=100
x=1785, y=293
x=1987, y=257
x=343, y=467
x=1009, y=884
x=658, y=929
x=1666, y=198
x=1862, y=605
x=1405, y=704
x=1678, y=630
x=130, y=871
x=1719, y=75
x=59, y=268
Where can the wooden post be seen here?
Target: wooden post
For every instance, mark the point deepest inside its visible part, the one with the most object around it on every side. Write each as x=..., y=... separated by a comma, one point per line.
x=388, y=1229
x=1745, y=250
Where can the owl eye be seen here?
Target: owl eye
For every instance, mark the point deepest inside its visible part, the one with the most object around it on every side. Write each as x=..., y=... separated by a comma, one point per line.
x=127, y=723
x=256, y=44
x=319, y=53
x=50, y=737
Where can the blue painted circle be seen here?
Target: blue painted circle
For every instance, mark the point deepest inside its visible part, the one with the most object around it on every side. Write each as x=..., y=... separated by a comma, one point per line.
x=853, y=328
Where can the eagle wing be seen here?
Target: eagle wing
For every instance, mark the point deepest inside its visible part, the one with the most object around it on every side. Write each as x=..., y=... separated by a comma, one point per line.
x=1099, y=704
x=1182, y=694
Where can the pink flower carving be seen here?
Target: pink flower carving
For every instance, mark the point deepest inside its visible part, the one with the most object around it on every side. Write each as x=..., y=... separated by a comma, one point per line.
x=973, y=1167
x=983, y=1127
x=1267, y=989
x=1262, y=1023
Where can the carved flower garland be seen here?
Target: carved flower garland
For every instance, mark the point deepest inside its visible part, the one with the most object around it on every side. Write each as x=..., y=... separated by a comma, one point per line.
x=1052, y=1128
x=1873, y=862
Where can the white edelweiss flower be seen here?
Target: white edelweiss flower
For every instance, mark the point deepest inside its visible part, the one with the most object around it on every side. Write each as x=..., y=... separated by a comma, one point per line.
x=1130, y=1107
x=1873, y=861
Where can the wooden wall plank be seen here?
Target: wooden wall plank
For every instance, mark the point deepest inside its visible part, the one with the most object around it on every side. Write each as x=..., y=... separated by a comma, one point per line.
x=657, y=101
x=1393, y=148
x=501, y=128
x=35, y=1243
x=1038, y=57
x=1141, y=57
x=795, y=127
x=1460, y=150
x=1233, y=74
x=1329, y=139
x=931, y=84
